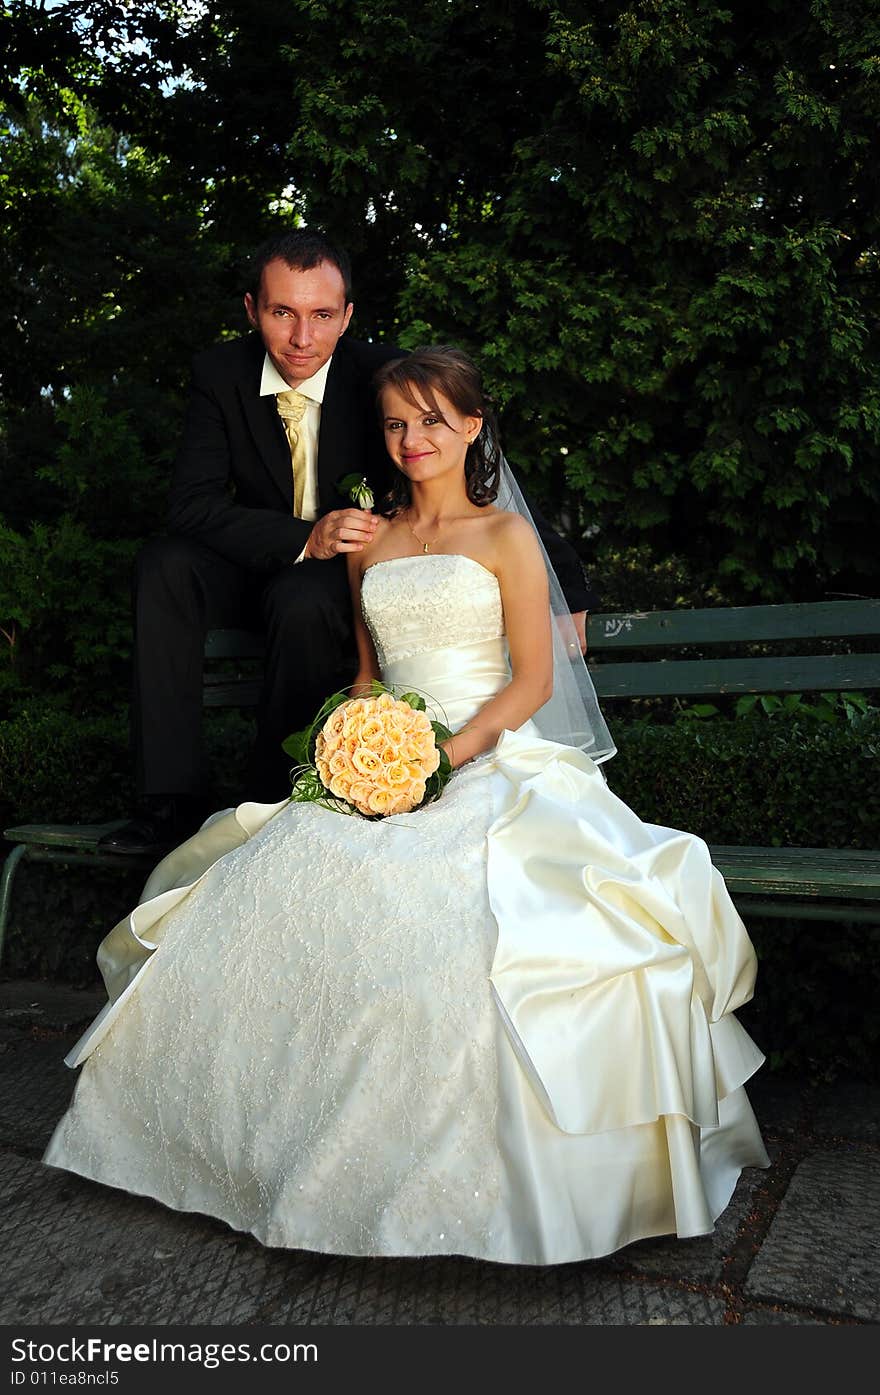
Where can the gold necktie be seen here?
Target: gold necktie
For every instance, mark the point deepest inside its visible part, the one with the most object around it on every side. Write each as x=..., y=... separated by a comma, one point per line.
x=291, y=409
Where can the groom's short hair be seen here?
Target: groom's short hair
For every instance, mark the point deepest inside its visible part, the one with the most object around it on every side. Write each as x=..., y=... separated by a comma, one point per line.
x=300, y=250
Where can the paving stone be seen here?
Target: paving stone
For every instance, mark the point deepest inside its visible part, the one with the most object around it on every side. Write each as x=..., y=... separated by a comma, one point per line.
x=849, y=1109
x=448, y=1291
x=77, y=1252
x=821, y=1252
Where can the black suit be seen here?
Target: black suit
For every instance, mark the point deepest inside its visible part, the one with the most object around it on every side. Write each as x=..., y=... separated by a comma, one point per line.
x=227, y=561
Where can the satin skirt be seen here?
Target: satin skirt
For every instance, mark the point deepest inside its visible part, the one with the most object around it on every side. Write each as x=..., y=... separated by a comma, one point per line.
x=501, y=1026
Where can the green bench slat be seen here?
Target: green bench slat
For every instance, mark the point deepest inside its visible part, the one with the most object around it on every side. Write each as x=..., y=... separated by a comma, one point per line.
x=736, y=624
x=82, y=836
x=818, y=873
x=692, y=677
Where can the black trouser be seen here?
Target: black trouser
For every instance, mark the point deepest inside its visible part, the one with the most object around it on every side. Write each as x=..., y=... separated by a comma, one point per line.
x=182, y=590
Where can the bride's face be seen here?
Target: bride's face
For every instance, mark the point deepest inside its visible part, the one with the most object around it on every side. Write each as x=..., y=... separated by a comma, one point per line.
x=426, y=441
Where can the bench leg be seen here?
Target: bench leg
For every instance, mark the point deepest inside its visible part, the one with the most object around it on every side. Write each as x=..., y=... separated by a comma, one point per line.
x=9, y=867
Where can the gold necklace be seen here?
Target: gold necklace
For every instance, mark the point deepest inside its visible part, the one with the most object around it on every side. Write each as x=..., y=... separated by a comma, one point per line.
x=424, y=546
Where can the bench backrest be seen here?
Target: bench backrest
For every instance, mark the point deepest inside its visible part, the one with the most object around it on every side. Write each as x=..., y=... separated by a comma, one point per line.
x=611, y=638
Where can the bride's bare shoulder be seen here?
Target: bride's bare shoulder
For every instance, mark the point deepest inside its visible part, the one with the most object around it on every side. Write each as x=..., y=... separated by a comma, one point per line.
x=510, y=532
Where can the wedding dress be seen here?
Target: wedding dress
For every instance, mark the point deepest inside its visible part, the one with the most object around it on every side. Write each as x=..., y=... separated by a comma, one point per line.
x=500, y=1026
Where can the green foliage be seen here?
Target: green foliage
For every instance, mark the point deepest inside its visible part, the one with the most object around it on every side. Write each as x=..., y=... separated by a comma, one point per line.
x=112, y=287
x=57, y=770
x=674, y=288
x=634, y=578
x=815, y=1005
x=830, y=708
x=65, y=579
x=800, y=782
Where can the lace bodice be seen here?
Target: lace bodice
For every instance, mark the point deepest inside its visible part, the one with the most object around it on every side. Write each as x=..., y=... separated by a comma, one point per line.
x=434, y=600
x=438, y=627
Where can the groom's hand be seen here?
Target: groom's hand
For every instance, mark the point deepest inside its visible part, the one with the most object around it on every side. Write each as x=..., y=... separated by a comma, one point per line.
x=341, y=530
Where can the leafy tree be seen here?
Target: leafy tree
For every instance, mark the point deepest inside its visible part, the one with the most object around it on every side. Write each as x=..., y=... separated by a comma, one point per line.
x=112, y=287
x=676, y=290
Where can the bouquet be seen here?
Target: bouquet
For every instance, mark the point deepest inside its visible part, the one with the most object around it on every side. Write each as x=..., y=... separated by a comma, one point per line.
x=374, y=755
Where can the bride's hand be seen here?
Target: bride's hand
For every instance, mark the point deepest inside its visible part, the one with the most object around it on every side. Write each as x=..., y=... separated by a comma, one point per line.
x=341, y=530
x=577, y=619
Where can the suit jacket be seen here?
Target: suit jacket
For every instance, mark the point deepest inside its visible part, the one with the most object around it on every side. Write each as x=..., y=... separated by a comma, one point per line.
x=233, y=486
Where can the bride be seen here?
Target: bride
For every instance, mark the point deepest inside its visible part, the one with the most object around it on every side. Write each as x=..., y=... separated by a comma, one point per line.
x=500, y=1026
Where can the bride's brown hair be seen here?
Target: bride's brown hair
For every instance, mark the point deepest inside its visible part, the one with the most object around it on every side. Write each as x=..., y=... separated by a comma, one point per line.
x=419, y=377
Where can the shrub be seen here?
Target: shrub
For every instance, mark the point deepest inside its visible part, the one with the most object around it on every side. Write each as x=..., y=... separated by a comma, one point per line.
x=801, y=783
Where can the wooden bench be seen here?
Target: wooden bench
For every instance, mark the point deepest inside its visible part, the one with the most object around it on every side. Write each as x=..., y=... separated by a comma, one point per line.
x=810, y=883
x=805, y=883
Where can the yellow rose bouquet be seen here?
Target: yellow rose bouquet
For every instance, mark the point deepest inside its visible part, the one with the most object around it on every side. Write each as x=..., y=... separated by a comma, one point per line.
x=374, y=755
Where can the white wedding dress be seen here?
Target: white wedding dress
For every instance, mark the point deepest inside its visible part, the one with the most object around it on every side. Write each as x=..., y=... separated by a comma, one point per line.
x=500, y=1026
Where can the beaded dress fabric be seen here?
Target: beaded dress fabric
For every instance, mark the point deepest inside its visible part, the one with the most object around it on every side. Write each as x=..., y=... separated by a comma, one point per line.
x=500, y=1026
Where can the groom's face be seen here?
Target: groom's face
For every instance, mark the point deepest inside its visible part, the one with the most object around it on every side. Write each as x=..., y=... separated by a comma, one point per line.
x=301, y=316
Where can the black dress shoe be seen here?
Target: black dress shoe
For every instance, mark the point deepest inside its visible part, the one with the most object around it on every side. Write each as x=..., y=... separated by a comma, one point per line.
x=160, y=824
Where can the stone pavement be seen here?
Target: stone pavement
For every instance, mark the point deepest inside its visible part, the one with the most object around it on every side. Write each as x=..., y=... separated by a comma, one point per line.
x=799, y=1244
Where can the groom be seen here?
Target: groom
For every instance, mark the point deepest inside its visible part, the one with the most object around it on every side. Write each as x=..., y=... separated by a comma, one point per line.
x=259, y=532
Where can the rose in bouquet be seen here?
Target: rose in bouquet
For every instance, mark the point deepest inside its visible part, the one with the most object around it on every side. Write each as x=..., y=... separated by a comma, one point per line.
x=373, y=755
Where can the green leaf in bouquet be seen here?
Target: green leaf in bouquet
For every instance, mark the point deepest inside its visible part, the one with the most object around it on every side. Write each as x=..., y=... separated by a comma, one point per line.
x=436, y=783
x=300, y=745
x=308, y=787
x=414, y=700
x=329, y=705
x=296, y=745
